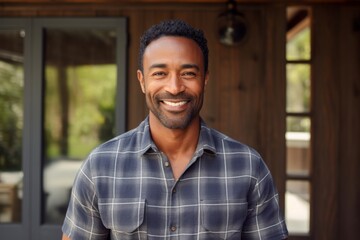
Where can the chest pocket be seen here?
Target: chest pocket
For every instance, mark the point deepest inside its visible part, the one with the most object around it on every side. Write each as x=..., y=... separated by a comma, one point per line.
x=124, y=217
x=223, y=220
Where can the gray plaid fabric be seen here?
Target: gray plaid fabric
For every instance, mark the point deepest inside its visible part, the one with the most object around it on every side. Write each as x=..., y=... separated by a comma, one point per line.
x=126, y=190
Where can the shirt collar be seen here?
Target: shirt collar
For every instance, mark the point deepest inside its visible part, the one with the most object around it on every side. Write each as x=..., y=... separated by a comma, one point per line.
x=205, y=143
x=146, y=143
x=206, y=140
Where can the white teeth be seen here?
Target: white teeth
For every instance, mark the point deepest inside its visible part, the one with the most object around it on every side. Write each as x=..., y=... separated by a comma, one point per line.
x=175, y=104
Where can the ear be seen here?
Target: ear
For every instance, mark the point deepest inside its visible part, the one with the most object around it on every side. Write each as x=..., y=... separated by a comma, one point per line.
x=140, y=78
x=207, y=75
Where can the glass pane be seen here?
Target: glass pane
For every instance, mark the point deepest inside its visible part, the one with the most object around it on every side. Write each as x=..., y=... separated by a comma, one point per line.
x=298, y=48
x=298, y=45
x=298, y=124
x=80, y=84
x=297, y=206
x=11, y=124
x=298, y=88
x=298, y=146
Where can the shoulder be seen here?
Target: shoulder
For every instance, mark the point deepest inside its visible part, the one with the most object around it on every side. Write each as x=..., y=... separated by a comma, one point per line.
x=225, y=144
x=131, y=141
x=125, y=147
x=238, y=155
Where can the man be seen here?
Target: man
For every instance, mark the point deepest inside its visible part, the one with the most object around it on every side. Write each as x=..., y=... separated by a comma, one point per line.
x=173, y=177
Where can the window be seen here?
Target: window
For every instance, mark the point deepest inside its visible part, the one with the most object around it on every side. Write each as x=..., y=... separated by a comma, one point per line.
x=62, y=93
x=79, y=107
x=11, y=123
x=298, y=121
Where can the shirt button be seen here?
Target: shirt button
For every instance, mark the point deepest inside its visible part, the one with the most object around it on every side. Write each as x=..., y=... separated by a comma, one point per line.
x=166, y=164
x=173, y=228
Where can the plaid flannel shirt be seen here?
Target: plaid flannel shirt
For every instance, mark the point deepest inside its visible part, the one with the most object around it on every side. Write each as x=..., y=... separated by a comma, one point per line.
x=126, y=190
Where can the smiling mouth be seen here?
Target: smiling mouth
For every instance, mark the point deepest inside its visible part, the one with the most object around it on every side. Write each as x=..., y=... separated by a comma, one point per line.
x=175, y=104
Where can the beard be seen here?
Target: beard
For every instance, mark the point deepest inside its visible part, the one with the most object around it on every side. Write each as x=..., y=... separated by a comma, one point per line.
x=175, y=120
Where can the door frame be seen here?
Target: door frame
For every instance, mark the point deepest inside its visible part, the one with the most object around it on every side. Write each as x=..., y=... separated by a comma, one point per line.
x=31, y=226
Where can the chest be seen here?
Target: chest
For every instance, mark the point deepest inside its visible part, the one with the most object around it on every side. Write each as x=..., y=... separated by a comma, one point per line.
x=144, y=195
x=152, y=178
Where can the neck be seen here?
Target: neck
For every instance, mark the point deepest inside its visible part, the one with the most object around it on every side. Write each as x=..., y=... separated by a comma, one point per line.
x=175, y=142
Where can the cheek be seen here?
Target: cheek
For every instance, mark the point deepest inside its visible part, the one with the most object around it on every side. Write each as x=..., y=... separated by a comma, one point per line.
x=197, y=89
x=151, y=88
x=149, y=92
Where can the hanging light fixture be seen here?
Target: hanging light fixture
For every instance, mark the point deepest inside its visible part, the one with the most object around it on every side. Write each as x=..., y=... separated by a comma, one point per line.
x=232, y=26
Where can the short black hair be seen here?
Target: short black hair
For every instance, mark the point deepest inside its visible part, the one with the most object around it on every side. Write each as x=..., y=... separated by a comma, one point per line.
x=173, y=27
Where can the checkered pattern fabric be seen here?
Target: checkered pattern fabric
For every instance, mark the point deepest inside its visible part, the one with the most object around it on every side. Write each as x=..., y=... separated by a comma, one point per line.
x=126, y=190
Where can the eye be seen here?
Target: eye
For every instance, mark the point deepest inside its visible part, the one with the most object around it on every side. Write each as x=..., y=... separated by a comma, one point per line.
x=158, y=74
x=188, y=74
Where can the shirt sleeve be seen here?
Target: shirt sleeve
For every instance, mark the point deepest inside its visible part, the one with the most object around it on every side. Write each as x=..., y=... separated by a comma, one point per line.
x=82, y=220
x=264, y=220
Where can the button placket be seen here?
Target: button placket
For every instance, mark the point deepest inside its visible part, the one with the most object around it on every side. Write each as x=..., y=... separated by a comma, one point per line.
x=173, y=214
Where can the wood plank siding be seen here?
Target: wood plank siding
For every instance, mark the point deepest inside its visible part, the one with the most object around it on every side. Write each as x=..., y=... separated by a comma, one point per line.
x=336, y=102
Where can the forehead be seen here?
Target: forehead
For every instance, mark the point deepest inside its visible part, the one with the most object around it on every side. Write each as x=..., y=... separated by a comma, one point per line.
x=170, y=40
x=168, y=48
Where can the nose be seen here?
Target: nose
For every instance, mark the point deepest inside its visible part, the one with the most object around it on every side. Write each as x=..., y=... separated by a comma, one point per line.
x=175, y=84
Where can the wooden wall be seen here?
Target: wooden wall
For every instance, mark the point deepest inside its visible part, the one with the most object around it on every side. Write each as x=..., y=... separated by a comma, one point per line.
x=336, y=125
x=245, y=97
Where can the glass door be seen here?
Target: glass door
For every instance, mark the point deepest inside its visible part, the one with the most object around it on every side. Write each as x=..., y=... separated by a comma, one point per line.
x=79, y=107
x=14, y=177
x=11, y=124
x=73, y=100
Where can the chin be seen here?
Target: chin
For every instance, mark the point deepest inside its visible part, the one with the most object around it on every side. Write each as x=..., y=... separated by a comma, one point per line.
x=175, y=124
x=178, y=123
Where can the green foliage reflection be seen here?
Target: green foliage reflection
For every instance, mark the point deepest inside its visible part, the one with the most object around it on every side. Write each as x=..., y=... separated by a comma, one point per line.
x=298, y=88
x=298, y=48
x=79, y=109
x=11, y=116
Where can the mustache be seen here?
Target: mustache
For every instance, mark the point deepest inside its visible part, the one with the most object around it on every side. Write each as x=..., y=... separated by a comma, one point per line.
x=167, y=95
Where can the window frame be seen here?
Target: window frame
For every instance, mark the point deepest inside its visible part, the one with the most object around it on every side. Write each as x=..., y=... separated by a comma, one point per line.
x=31, y=226
x=305, y=114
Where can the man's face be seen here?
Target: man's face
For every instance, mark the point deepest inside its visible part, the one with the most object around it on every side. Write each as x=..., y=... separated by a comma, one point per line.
x=173, y=80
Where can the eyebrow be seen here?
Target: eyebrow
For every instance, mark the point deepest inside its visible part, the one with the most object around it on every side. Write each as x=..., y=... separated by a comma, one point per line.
x=183, y=66
x=190, y=66
x=158, y=65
